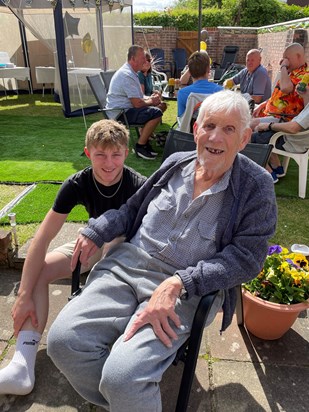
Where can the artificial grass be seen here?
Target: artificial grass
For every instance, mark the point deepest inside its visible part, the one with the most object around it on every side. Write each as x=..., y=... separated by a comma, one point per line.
x=48, y=147
x=38, y=144
x=33, y=208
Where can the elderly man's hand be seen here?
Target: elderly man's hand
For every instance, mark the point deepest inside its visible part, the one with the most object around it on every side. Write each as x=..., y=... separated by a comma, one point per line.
x=159, y=311
x=84, y=249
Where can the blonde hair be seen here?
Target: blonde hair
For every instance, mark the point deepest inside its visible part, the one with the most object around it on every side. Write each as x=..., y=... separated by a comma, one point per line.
x=107, y=133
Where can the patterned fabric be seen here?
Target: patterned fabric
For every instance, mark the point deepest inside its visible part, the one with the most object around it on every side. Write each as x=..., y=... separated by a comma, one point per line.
x=185, y=224
x=284, y=105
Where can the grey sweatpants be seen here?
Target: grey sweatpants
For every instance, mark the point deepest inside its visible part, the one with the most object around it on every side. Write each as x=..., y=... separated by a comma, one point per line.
x=86, y=340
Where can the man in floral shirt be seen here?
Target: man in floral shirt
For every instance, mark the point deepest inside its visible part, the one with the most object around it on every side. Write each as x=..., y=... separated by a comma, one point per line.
x=284, y=102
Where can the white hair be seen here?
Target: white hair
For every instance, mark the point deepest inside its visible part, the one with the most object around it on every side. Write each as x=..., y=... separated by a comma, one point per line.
x=226, y=101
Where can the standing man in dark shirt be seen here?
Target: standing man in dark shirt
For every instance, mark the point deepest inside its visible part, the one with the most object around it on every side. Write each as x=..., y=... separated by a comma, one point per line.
x=104, y=185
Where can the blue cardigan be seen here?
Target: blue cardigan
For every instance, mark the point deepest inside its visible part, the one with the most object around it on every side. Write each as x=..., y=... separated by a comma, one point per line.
x=245, y=224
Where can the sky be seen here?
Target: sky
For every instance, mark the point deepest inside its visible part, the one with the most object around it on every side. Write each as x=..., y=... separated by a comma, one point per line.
x=148, y=5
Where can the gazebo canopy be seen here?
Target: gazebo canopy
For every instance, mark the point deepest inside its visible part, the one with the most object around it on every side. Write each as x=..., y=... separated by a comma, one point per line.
x=83, y=37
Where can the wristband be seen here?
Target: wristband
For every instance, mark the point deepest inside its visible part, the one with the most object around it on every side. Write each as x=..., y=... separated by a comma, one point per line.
x=269, y=127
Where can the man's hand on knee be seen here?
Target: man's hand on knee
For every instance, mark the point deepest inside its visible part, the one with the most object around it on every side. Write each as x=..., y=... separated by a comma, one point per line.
x=159, y=311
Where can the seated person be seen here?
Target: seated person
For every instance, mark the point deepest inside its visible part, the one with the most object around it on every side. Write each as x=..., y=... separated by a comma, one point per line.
x=284, y=103
x=253, y=79
x=199, y=66
x=185, y=77
x=264, y=132
x=145, y=79
x=123, y=331
x=104, y=185
x=125, y=92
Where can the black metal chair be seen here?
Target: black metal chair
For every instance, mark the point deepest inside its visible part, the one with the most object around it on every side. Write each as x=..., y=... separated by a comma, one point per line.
x=189, y=351
x=98, y=89
x=107, y=77
x=180, y=60
x=228, y=58
x=178, y=141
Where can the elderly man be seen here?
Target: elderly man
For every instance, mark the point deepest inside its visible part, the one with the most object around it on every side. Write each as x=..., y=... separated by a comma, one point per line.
x=284, y=102
x=125, y=92
x=253, y=79
x=200, y=223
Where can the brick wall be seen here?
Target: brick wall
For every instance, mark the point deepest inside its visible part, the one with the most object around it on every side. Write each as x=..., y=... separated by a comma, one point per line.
x=272, y=43
x=161, y=37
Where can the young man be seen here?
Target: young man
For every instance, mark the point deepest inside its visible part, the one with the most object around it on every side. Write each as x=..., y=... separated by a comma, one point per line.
x=201, y=223
x=125, y=92
x=253, y=79
x=104, y=185
x=199, y=66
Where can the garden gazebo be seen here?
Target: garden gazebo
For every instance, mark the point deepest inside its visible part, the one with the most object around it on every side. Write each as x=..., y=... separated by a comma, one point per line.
x=84, y=37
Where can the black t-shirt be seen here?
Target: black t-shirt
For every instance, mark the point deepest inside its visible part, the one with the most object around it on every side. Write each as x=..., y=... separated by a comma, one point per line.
x=79, y=189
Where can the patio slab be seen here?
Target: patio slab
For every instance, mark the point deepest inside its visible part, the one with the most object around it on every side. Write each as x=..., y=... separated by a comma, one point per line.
x=236, y=372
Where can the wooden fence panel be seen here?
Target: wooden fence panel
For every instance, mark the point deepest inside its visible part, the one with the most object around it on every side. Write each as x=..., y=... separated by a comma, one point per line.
x=188, y=40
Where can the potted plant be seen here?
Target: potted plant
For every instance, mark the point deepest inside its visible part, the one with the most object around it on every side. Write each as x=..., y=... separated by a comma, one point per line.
x=273, y=300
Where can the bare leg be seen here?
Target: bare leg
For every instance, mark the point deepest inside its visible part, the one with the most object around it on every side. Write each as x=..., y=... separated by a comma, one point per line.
x=18, y=377
x=147, y=130
x=274, y=160
x=56, y=266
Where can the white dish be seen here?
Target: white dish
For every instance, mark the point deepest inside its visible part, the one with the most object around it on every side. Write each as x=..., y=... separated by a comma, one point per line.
x=304, y=249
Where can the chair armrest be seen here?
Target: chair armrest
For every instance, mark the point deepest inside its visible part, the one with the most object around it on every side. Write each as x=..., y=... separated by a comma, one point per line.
x=194, y=342
x=161, y=75
x=75, y=285
x=275, y=136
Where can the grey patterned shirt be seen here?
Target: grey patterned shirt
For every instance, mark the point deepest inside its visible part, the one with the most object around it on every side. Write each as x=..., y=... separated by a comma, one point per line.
x=186, y=234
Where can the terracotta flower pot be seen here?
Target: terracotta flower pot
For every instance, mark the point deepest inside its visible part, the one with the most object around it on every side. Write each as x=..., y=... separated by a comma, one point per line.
x=268, y=320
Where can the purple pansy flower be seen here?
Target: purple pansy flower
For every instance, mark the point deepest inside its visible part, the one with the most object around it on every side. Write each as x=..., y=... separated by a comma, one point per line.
x=274, y=249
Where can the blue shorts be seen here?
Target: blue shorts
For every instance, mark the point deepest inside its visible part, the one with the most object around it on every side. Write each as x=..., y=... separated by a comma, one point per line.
x=142, y=115
x=264, y=138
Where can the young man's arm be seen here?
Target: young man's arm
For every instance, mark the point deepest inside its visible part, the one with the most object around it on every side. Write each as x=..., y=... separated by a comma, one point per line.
x=24, y=306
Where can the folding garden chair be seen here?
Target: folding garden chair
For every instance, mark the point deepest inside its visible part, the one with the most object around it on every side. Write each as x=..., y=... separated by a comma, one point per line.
x=185, y=120
x=107, y=77
x=98, y=88
x=228, y=58
x=180, y=60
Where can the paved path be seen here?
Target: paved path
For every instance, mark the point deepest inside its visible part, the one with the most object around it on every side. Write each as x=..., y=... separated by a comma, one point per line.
x=236, y=372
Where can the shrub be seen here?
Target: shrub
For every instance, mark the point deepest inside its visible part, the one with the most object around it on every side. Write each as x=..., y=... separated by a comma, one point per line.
x=245, y=13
